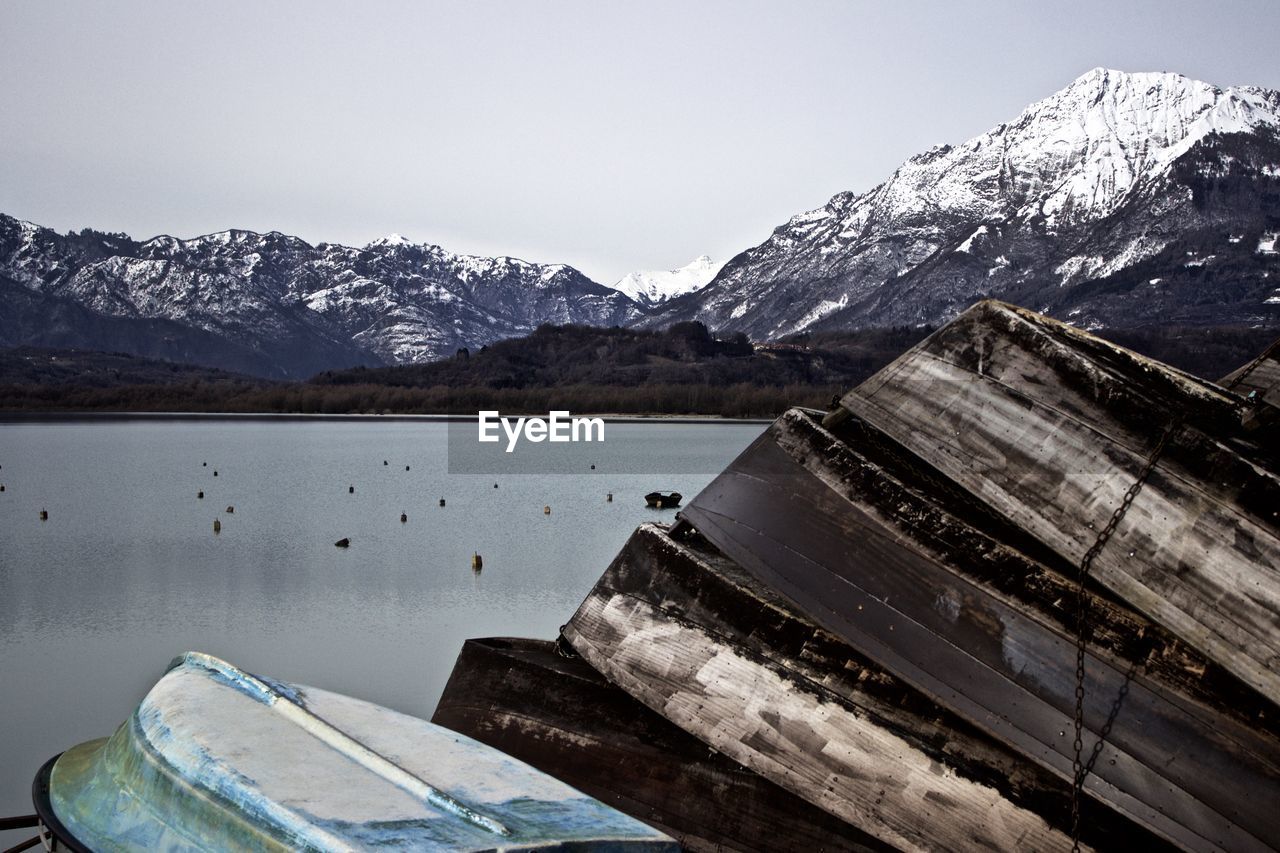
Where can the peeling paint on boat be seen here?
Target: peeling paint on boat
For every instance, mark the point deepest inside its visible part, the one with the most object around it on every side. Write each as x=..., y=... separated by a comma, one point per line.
x=217, y=758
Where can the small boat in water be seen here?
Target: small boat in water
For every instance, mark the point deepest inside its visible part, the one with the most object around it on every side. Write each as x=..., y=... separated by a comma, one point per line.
x=663, y=500
x=216, y=758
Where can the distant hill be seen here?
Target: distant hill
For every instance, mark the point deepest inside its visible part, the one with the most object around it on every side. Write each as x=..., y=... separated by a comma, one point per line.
x=684, y=370
x=685, y=354
x=88, y=369
x=37, y=379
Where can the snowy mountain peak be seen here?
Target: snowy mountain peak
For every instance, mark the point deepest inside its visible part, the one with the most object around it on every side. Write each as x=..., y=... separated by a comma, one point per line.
x=1097, y=178
x=1070, y=157
x=653, y=287
x=391, y=240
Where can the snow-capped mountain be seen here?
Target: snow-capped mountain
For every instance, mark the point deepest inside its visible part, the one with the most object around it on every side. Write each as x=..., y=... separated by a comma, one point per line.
x=653, y=287
x=276, y=305
x=1124, y=199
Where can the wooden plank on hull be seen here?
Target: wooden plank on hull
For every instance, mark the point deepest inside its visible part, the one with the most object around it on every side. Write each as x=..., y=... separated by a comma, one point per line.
x=1261, y=379
x=1049, y=427
x=699, y=640
x=905, y=583
x=556, y=713
x=1023, y=570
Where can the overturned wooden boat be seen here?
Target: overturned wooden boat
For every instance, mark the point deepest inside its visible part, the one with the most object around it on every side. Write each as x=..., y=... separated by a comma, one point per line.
x=550, y=709
x=216, y=758
x=966, y=608
x=663, y=500
x=1050, y=427
x=694, y=636
x=1019, y=571
x=929, y=534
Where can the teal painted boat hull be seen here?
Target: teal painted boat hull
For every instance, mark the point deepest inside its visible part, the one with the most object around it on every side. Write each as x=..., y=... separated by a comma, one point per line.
x=215, y=758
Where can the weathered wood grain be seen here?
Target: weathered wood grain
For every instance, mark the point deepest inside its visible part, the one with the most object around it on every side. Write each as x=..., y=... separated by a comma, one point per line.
x=907, y=584
x=901, y=490
x=561, y=716
x=728, y=660
x=1049, y=427
x=1263, y=379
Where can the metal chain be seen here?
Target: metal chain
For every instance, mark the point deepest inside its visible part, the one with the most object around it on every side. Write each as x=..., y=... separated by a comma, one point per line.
x=562, y=647
x=1262, y=356
x=1079, y=766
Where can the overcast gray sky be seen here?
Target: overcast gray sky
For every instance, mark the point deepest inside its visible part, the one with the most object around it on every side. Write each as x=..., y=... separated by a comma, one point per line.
x=610, y=136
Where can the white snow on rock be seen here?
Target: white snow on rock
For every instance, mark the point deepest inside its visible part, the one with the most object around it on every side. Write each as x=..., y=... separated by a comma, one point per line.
x=967, y=245
x=1109, y=142
x=651, y=287
x=394, y=298
x=392, y=240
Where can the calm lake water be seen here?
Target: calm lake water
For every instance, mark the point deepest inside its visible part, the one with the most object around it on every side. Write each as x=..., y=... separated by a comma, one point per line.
x=127, y=572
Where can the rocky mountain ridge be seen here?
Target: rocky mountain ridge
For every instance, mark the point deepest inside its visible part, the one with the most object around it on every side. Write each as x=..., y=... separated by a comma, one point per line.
x=287, y=307
x=1124, y=199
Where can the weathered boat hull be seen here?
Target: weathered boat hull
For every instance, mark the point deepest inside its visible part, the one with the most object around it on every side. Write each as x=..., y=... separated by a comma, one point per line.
x=934, y=601
x=702, y=642
x=559, y=715
x=1049, y=427
x=51, y=827
x=215, y=758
